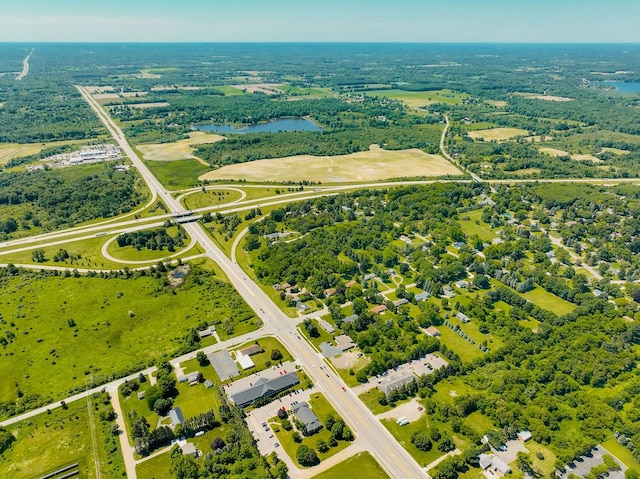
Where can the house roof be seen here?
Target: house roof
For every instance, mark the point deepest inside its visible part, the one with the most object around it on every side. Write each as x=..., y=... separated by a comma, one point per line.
x=500, y=465
x=350, y=319
x=432, y=331
x=304, y=413
x=524, y=435
x=265, y=387
x=251, y=350
x=381, y=308
x=400, y=302
x=422, y=296
x=188, y=448
x=484, y=460
x=176, y=416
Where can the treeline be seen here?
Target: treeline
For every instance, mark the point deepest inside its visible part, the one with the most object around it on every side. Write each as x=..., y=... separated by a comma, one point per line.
x=153, y=239
x=66, y=197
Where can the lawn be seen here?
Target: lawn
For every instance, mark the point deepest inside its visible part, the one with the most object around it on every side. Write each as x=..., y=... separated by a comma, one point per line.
x=177, y=175
x=370, y=399
x=50, y=441
x=361, y=465
x=622, y=453
x=60, y=340
x=322, y=409
x=263, y=360
x=178, y=150
x=549, y=301
x=229, y=90
x=129, y=253
x=463, y=348
x=212, y=197
x=547, y=464
x=482, y=229
x=373, y=165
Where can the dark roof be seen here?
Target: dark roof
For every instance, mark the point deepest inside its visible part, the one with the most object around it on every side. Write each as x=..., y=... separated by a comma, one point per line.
x=251, y=350
x=176, y=416
x=265, y=387
x=304, y=413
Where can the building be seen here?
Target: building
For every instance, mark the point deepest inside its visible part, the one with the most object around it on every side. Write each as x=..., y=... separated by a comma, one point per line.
x=264, y=388
x=304, y=414
x=189, y=449
x=244, y=361
x=207, y=332
x=381, y=308
x=330, y=292
x=302, y=307
x=432, y=331
x=351, y=284
x=422, y=296
x=494, y=464
x=224, y=364
x=462, y=284
x=524, y=436
x=326, y=326
x=141, y=394
x=208, y=384
x=190, y=378
x=447, y=292
x=176, y=416
x=251, y=350
x=350, y=319
x=400, y=302
x=344, y=342
x=463, y=317
x=405, y=239
x=392, y=383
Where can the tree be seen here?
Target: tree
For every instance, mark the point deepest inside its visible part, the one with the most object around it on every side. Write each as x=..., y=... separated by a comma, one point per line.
x=6, y=439
x=311, y=328
x=162, y=406
x=421, y=441
x=446, y=445
x=217, y=443
x=322, y=445
x=202, y=359
x=183, y=467
x=306, y=456
x=276, y=354
x=38, y=255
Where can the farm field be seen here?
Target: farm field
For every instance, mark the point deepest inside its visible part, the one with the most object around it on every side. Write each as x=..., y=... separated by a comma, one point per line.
x=360, y=465
x=421, y=98
x=8, y=151
x=178, y=150
x=375, y=164
x=57, y=342
x=498, y=134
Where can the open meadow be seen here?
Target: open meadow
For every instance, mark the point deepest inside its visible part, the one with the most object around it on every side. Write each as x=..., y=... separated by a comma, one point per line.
x=497, y=134
x=360, y=465
x=178, y=150
x=95, y=327
x=373, y=165
x=418, y=99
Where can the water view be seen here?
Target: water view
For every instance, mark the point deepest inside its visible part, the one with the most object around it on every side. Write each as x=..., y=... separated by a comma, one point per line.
x=624, y=87
x=281, y=124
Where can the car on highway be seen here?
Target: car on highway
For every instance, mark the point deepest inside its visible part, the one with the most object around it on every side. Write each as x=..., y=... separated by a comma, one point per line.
x=343, y=388
x=276, y=444
x=420, y=408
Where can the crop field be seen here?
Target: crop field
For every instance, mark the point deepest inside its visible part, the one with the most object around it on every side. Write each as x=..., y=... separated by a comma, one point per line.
x=533, y=96
x=417, y=99
x=178, y=150
x=360, y=465
x=373, y=165
x=56, y=342
x=8, y=151
x=498, y=134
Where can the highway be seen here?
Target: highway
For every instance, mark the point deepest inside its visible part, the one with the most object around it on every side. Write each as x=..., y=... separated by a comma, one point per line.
x=25, y=66
x=392, y=456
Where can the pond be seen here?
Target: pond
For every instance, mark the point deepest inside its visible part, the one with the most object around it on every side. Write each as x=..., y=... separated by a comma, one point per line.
x=623, y=87
x=274, y=126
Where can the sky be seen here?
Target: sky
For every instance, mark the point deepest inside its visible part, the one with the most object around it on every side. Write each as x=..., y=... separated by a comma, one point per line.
x=529, y=21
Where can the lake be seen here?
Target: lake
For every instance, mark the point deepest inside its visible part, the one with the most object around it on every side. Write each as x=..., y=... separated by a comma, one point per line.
x=281, y=124
x=624, y=87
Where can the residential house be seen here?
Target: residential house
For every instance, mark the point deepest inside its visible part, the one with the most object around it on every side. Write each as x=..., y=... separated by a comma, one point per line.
x=326, y=326
x=304, y=414
x=381, y=308
x=463, y=317
x=350, y=319
x=176, y=416
x=524, y=436
x=344, y=342
x=251, y=350
x=400, y=302
x=432, y=331
x=422, y=296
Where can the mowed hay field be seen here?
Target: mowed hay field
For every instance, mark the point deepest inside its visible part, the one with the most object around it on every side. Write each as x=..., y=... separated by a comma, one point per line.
x=417, y=99
x=178, y=150
x=373, y=165
x=498, y=134
x=8, y=151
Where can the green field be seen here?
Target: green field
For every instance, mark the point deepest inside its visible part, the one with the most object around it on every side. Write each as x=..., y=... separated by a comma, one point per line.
x=61, y=340
x=361, y=465
x=622, y=453
x=202, y=199
x=549, y=301
x=129, y=253
x=68, y=431
x=229, y=90
x=463, y=348
x=482, y=229
x=179, y=174
x=417, y=99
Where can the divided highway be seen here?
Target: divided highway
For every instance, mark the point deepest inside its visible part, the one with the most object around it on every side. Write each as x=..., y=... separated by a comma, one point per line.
x=393, y=457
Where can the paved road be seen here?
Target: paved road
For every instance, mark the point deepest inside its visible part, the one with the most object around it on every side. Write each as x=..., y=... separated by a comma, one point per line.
x=377, y=439
x=25, y=66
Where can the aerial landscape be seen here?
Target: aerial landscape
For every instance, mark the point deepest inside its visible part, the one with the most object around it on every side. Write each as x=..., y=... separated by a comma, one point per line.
x=395, y=253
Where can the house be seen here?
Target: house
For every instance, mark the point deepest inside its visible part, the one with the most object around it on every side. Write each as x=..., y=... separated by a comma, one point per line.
x=326, y=326
x=405, y=239
x=305, y=415
x=251, y=350
x=391, y=383
x=463, y=317
x=422, y=296
x=462, y=284
x=190, y=378
x=432, y=331
x=597, y=293
x=176, y=416
x=245, y=362
x=490, y=461
x=351, y=284
x=330, y=292
x=524, y=436
x=350, y=319
x=447, y=292
x=141, y=394
x=344, y=342
x=302, y=307
x=189, y=449
x=381, y=308
x=400, y=302
x=207, y=332
x=264, y=388
x=369, y=276
x=208, y=384
x=458, y=244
